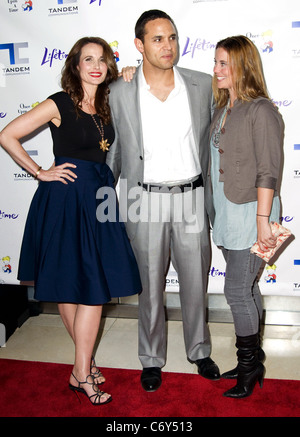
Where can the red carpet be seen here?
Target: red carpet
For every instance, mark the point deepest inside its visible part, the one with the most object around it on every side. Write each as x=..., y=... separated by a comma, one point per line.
x=33, y=389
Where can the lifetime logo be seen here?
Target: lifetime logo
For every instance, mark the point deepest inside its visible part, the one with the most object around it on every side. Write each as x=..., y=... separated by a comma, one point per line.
x=14, y=52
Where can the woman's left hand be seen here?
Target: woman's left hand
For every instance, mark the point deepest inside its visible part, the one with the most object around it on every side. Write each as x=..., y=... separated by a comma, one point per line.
x=265, y=238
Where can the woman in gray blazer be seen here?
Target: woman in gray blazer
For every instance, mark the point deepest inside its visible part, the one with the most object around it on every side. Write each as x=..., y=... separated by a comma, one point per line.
x=246, y=156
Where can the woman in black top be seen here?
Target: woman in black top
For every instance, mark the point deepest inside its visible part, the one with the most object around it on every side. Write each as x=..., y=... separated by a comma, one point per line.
x=75, y=248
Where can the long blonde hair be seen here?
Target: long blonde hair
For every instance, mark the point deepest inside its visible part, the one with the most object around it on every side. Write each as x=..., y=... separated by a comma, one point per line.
x=246, y=69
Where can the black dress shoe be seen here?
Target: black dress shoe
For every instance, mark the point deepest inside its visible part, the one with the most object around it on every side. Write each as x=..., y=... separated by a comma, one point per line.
x=208, y=368
x=151, y=378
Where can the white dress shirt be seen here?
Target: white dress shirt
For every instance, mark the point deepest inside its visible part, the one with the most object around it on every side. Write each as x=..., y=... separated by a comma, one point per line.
x=170, y=153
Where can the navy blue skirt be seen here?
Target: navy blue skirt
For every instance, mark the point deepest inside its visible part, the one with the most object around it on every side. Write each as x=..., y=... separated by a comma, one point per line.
x=75, y=248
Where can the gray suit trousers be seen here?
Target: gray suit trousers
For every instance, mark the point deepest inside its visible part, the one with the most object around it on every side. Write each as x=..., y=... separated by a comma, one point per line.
x=172, y=226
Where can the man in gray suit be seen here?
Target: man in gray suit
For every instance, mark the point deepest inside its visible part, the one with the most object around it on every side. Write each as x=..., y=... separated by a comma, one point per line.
x=161, y=119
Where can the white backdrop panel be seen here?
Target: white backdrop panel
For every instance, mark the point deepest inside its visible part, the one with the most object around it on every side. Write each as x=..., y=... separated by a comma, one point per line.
x=35, y=37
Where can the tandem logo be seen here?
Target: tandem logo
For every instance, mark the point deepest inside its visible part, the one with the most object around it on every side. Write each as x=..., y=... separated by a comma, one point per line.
x=63, y=8
x=14, y=53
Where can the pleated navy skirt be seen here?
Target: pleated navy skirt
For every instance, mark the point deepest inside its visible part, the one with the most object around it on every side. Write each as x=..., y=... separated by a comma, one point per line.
x=70, y=254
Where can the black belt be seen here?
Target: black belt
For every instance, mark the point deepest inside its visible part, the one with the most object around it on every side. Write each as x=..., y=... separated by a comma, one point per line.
x=167, y=188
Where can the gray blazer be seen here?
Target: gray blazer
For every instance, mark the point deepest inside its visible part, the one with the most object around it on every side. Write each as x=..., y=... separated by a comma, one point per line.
x=126, y=155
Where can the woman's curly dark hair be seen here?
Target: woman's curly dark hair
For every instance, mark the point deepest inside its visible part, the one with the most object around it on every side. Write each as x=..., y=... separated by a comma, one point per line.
x=71, y=81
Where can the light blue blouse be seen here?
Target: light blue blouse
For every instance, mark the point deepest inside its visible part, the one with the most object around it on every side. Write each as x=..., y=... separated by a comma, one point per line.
x=235, y=224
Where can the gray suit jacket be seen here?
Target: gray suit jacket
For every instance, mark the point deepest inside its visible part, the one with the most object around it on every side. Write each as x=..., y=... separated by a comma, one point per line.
x=125, y=157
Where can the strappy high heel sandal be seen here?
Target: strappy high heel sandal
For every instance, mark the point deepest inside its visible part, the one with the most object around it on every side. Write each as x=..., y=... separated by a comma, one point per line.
x=94, y=398
x=95, y=371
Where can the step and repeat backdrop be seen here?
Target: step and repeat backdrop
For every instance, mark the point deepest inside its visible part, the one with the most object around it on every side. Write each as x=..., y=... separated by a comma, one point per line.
x=35, y=37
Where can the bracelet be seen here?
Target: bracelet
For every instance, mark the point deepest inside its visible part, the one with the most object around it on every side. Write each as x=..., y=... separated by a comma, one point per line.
x=37, y=173
x=262, y=215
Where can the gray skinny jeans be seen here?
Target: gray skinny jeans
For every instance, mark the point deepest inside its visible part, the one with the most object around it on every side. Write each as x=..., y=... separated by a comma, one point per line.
x=242, y=291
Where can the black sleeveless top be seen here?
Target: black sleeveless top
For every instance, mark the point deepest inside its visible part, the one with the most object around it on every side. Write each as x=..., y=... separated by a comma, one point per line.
x=77, y=136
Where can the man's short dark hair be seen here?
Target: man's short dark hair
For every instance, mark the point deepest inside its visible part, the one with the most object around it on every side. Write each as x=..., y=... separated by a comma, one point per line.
x=147, y=16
